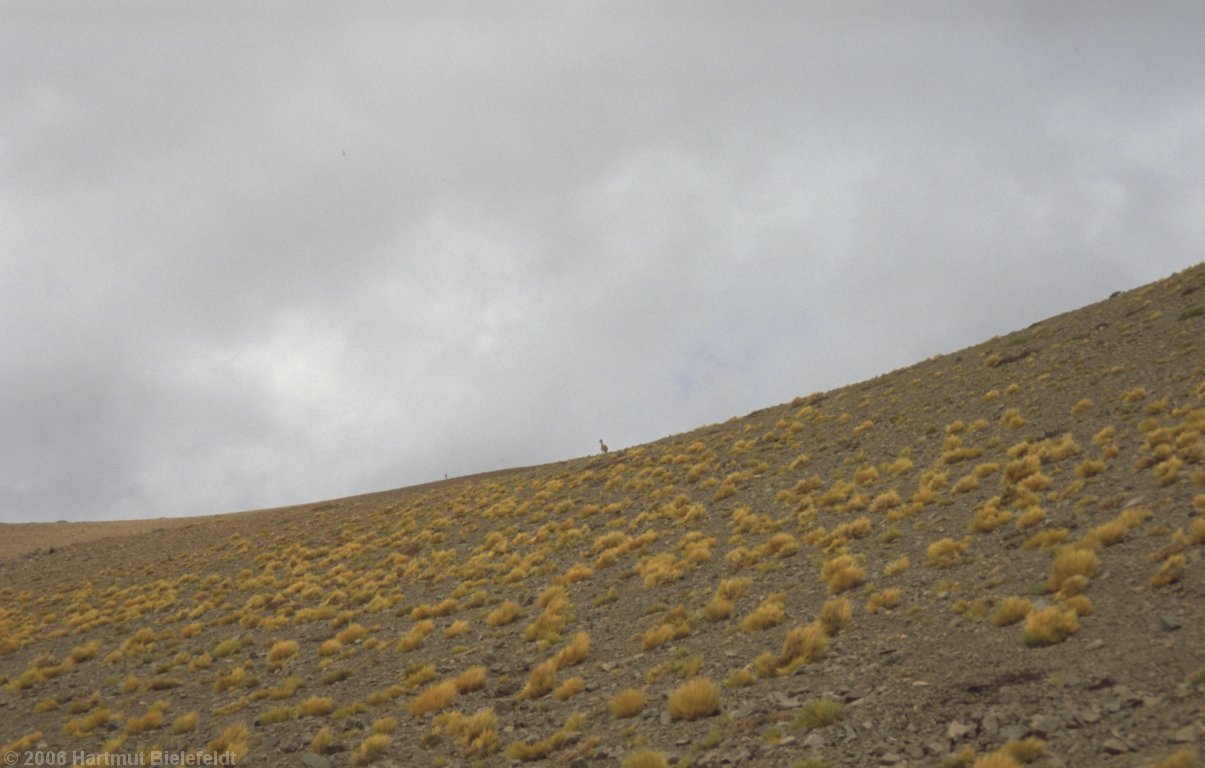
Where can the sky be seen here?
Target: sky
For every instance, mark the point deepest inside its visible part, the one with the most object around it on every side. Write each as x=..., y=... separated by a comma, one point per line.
x=263, y=253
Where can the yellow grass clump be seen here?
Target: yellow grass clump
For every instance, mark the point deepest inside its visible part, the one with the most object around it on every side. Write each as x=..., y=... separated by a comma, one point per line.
x=568, y=689
x=234, y=740
x=322, y=740
x=1184, y=757
x=627, y=703
x=1069, y=562
x=433, y=698
x=1049, y=626
x=819, y=713
x=504, y=614
x=476, y=734
x=574, y=652
x=733, y=589
x=645, y=758
x=1170, y=571
x=1089, y=468
x=283, y=650
x=146, y=722
x=316, y=706
x=693, y=700
x=1031, y=517
x=769, y=614
x=884, y=599
x=541, y=681
x=371, y=748
x=842, y=573
x=1011, y=610
x=836, y=614
x=946, y=552
x=717, y=609
x=803, y=645
x=472, y=679
x=385, y=725
x=529, y=751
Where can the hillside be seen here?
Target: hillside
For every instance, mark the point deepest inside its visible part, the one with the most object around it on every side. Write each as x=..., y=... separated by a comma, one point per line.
x=989, y=558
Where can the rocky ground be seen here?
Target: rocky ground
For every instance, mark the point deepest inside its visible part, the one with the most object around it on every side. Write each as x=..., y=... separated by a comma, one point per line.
x=989, y=558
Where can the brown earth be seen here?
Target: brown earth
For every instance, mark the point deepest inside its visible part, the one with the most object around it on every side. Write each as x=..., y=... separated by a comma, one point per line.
x=919, y=501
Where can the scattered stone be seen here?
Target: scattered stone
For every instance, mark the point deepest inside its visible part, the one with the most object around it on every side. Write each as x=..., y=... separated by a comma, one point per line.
x=1013, y=732
x=783, y=701
x=957, y=731
x=915, y=751
x=937, y=747
x=1089, y=716
x=814, y=741
x=1126, y=697
x=1096, y=682
x=890, y=758
x=990, y=724
x=1169, y=622
x=1185, y=735
x=314, y=760
x=1044, y=725
x=1115, y=746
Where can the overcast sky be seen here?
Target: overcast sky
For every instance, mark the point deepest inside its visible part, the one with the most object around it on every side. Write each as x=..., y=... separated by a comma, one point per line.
x=254, y=253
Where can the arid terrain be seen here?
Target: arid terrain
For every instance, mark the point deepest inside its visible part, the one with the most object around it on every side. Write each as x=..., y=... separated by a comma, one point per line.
x=991, y=558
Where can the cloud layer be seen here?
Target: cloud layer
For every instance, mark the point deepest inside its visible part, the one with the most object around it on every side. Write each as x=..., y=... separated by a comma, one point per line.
x=252, y=256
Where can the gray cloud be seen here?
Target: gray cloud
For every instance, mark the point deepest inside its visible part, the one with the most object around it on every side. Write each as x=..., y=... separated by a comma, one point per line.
x=259, y=255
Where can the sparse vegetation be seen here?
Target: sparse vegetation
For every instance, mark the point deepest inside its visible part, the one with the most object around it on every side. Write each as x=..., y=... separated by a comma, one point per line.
x=568, y=612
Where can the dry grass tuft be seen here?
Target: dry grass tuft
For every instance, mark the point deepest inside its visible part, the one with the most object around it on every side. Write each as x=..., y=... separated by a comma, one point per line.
x=1011, y=610
x=693, y=700
x=769, y=614
x=836, y=614
x=541, y=681
x=645, y=758
x=627, y=703
x=504, y=614
x=568, y=689
x=819, y=713
x=316, y=706
x=370, y=749
x=472, y=679
x=1184, y=757
x=322, y=740
x=885, y=599
x=717, y=609
x=946, y=553
x=1049, y=626
x=433, y=698
x=842, y=573
x=1170, y=571
x=803, y=645
x=1070, y=562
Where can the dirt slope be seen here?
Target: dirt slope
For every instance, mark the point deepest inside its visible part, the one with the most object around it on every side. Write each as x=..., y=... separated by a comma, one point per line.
x=989, y=558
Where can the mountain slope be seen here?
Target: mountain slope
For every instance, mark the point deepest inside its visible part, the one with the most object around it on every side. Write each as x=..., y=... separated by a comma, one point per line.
x=990, y=557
